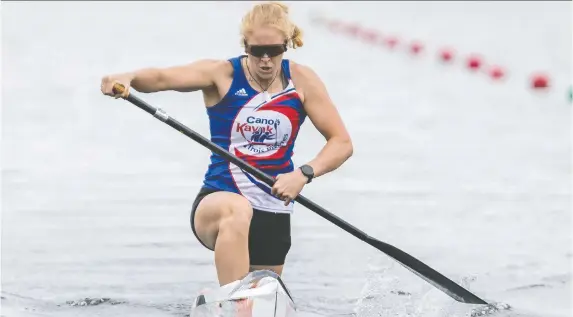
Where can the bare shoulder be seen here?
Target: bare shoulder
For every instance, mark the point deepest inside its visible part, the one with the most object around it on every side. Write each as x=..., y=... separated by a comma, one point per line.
x=213, y=66
x=221, y=70
x=197, y=75
x=221, y=66
x=307, y=82
x=303, y=74
x=317, y=103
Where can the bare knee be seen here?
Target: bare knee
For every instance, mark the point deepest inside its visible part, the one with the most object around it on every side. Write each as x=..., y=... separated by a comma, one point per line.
x=236, y=217
x=219, y=212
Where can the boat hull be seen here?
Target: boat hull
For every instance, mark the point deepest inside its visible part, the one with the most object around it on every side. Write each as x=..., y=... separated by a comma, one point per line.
x=259, y=294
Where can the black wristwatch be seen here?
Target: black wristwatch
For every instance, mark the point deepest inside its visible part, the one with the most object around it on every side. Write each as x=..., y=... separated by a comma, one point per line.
x=308, y=172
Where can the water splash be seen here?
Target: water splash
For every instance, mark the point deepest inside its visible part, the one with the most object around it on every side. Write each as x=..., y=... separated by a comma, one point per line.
x=488, y=310
x=390, y=292
x=93, y=302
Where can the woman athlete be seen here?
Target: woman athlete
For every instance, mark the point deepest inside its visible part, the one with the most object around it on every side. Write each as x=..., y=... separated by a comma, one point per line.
x=256, y=104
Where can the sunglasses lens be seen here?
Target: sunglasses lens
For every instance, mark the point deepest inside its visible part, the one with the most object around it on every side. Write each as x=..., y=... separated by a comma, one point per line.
x=270, y=50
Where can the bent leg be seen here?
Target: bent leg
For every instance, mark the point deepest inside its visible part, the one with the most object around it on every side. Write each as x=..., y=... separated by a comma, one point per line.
x=269, y=241
x=222, y=222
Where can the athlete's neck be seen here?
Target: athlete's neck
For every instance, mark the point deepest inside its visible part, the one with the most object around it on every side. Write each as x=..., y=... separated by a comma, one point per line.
x=263, y=84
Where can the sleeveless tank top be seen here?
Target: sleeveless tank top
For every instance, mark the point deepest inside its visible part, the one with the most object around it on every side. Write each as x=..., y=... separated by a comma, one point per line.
x=258, y=129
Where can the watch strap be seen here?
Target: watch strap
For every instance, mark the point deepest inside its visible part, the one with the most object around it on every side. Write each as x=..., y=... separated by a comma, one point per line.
x=307, y=171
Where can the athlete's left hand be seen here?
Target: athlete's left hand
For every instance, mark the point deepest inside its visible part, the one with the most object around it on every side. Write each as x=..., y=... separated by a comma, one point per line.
x=288, y=186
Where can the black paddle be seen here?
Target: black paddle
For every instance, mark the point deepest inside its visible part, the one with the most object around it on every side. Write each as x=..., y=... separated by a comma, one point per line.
x=427, y=273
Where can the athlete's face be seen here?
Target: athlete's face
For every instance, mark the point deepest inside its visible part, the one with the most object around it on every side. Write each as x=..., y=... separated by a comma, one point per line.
x=265, y=47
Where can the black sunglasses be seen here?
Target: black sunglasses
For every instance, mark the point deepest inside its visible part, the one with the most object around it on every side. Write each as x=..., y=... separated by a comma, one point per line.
x=270, y=50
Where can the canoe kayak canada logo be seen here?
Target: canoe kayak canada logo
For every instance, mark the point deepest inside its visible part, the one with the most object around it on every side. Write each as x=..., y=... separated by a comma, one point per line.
x=260, y=133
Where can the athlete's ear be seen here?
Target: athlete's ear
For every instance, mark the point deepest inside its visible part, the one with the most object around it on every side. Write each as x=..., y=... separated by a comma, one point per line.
x=245, y=45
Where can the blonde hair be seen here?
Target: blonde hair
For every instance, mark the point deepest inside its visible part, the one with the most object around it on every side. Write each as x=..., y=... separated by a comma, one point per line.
x=273, y=14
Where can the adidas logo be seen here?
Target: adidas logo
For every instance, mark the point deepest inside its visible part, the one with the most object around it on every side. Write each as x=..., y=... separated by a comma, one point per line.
x=241, y=92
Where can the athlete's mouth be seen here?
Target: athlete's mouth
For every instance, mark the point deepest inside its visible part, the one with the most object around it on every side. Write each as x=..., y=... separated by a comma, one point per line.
x=266, y=68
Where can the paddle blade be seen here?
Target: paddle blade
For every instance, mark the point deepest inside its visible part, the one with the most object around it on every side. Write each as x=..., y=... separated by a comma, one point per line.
x=431, y=276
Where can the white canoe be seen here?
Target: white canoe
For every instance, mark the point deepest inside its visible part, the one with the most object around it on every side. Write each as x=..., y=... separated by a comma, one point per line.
x=259, y=294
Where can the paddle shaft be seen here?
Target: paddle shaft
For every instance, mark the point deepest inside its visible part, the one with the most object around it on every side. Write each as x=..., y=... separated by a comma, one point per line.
x=430, y=275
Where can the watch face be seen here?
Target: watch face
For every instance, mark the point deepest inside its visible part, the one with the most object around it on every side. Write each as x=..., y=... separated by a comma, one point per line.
x=307, y=170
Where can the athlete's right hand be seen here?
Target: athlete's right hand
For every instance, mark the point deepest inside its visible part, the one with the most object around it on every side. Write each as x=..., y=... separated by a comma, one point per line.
x=107, y=83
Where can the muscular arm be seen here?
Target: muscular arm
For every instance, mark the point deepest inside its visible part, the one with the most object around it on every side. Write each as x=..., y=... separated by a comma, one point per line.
x=191, y=77
x=323, y=114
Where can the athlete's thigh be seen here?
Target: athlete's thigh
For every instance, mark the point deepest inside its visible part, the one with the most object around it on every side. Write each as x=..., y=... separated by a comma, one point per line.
x=275, y=268
x=211, y=210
